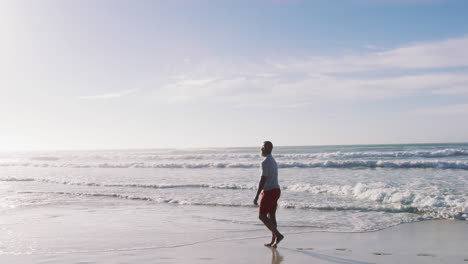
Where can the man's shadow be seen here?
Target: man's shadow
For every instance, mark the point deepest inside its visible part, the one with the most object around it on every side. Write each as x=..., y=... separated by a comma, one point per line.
x=276, y=257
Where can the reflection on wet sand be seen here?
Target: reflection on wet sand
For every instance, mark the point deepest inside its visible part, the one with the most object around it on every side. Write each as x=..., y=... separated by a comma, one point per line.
x=276, y=257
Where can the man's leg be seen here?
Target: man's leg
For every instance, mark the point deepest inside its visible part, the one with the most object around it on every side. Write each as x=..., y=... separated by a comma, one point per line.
x=272, y=216
x=279, y=237
x=273, y=237
x=269, y=224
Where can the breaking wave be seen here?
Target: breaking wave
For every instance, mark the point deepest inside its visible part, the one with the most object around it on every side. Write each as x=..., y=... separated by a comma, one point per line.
x=231, y=186
x=16, y=179
x=449, y=152
x=395, y=164
x=426, y=207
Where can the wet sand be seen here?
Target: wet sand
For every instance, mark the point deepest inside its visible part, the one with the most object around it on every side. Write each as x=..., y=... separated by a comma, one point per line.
x=441, y=241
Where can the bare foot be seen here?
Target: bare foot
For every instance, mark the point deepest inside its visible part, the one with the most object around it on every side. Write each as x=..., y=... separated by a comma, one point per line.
x=278, y=239
x=273, y=238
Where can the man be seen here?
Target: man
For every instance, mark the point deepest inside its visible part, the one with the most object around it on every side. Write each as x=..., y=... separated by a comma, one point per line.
x=271, y=193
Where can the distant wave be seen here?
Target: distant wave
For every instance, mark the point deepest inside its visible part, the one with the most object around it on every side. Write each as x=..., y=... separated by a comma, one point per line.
x=45, y=158
x=394, y=154
x=396, y=164
x=231, y=186
x=300, y=156
x=16, y=179
x=220, y=157
x=322, y=155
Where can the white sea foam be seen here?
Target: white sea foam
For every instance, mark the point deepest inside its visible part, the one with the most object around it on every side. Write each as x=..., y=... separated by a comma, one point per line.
x=220, y=156
x=425, y=206
x=396, y=164
x=449, y=152
x=12, y=179
x=391, y=154
x=231, y=186
x=45, y=158
x=429, y=203
x=432, y=203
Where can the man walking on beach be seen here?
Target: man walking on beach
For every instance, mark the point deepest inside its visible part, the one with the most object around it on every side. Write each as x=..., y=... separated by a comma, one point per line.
x=271, y=193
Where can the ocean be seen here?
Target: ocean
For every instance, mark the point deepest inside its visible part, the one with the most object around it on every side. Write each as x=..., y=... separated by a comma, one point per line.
x=358, y=188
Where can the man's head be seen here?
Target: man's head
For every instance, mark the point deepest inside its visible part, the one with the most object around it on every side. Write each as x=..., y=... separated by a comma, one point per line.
x=267, y=148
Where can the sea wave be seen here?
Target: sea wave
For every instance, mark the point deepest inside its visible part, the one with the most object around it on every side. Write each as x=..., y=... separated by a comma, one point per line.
x=16, y=179
x=432, y=203
x=321, y=155
x=424, y=211
x=395, y=164
x=227, y=156
x=45, y=158
x=231, y=186
x=391, y=154
x=371, y=192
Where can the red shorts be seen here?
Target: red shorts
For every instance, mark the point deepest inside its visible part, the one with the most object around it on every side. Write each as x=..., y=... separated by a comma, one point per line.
x=269, y=200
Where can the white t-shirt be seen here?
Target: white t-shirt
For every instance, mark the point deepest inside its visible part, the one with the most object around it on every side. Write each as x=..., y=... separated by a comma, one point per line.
x=269, y=169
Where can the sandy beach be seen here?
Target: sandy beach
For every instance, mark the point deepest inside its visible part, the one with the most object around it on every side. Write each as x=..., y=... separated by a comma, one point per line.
x=428, y=242
x=171, y=234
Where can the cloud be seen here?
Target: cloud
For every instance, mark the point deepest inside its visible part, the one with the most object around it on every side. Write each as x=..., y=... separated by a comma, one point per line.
x=461, y=89
x=295, y=82
x=372, y=47
x=458, y=109
x=449, y=53
x=109, y=95
x=281, y=92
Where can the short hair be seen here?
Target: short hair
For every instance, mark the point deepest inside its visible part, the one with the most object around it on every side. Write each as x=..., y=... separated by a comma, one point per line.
x=268, y=145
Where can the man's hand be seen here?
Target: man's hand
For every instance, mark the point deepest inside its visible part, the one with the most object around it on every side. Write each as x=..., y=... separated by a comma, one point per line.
x=261, y=184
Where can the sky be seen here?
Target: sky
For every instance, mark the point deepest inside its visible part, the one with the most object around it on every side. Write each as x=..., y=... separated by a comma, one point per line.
x=119, y=74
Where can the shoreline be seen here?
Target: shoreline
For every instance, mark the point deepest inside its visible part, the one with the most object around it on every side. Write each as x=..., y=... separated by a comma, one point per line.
x=430, y=241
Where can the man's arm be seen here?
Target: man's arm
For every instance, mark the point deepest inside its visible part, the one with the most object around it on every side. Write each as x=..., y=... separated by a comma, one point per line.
x=261, y=184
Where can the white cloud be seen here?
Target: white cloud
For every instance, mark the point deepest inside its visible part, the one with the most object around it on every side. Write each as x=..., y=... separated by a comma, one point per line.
x=109, y=95
x=462, y=89
x=441, y=54
x=458, y=109
x=299, y=81
x=280, y=91
x=372, y=47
